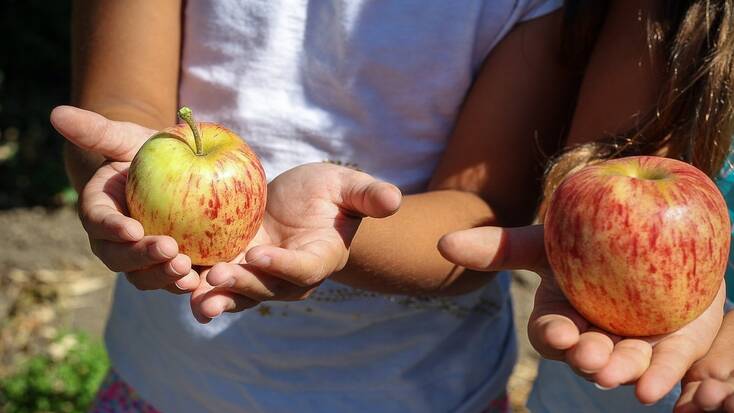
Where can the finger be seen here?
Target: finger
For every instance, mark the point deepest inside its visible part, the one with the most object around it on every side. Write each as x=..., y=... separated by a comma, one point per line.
x=628, y=361
x=554, y=325
x=363, y=195
x=670, y=360
x=102, y=207
x=305, y=266
x=551, y=335
x=495, y=248
x=133, y=256
x=591, y=353
x=685, y=401
x=165, y=275
x=711, y=394
x=718, y=362
x=216, y=302
x=675, y=354
x=728, y=404
x=255, y=285
x=90, y=131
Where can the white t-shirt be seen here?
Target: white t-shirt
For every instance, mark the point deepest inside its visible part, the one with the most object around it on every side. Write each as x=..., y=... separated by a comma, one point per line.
x=374, y=83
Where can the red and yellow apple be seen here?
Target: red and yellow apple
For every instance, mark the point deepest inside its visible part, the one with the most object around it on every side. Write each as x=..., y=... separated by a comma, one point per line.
x=202, y=185
x=638, y=245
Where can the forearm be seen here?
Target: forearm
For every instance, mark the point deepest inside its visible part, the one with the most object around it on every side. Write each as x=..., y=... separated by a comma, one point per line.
x=398, y=255
x=489, y=174
x=125, y=60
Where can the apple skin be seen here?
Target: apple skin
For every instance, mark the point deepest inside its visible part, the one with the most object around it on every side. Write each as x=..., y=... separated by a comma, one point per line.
x=212, y=204
x=638, y=245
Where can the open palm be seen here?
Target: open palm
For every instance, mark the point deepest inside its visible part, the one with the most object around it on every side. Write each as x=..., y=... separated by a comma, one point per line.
x=557, y=331
x=312, y=214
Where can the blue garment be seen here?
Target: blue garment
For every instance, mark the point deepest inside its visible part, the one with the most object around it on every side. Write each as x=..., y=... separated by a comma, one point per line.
x=558, y=389
x=725, y=182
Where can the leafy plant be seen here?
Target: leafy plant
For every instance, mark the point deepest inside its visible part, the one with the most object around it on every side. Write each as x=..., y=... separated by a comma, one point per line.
x=65, y=380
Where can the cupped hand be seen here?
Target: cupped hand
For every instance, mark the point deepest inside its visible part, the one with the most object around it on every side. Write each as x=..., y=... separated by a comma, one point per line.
x=558, y=332
x=709, y=384
x=149, y=261
x=312, y=214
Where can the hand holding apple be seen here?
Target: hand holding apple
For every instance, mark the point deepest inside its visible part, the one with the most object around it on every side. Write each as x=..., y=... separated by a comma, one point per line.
x=709, y=384
x=149, y=261
x=200, y=184
x=312, y=215
x=557, y=331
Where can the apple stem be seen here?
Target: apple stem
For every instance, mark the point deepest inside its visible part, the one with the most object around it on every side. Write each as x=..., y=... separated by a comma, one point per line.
x=188, y=117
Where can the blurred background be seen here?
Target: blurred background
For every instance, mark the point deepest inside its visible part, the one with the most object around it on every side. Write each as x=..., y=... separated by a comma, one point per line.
x=54, y=294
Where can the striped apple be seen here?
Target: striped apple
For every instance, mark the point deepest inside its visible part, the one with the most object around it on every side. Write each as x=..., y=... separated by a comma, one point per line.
x=202, y=185
x=638, y=245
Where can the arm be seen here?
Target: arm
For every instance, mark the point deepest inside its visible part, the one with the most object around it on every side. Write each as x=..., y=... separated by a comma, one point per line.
x=125, y=64
x=512, y=118
x=622, y=81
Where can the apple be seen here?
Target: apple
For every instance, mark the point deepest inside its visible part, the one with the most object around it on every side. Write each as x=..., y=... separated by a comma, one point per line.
x=638, y=245
x=201, y=184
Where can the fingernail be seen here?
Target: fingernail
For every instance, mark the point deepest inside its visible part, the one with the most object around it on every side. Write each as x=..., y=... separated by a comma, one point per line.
x=188, y=279
x=600, y=387
x=262, y=261
x=180, y=262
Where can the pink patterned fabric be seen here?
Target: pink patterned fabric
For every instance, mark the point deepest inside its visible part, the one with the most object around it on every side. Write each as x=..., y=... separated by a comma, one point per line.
x=498, y=405
x=116, y=396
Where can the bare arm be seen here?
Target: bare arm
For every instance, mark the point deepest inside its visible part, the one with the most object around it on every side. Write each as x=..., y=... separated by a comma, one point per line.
x=125, y=65
x=522, y=93
x=489, y=174
x=623, y=79
x=621, y=82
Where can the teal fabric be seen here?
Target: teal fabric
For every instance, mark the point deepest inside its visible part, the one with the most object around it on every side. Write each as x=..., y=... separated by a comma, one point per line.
x=725, y=182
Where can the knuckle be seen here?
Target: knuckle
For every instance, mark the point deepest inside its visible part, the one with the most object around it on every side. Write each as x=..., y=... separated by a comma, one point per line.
x=219, y=268
x=312, y=281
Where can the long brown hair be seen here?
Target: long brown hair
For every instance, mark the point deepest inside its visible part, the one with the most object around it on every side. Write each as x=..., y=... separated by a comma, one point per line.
x=694, y=117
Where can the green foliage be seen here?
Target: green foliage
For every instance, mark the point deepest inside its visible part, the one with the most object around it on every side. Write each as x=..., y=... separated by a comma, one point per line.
x=63, y=381
x=34, y=77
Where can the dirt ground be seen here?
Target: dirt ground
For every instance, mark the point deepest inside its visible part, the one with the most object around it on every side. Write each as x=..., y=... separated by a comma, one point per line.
x=50, y=282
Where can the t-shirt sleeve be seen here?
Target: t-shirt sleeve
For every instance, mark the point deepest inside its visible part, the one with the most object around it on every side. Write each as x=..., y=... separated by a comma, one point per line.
x=537, y=8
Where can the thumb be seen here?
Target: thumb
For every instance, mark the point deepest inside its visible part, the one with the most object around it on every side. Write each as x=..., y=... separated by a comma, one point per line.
x=117, y=141
x=366, y=196
x=496, y=248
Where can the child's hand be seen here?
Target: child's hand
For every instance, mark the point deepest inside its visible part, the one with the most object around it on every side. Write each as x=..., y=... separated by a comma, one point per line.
x=558, y=332
x=150, y=262
x=709, y=384
x=313, y=212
